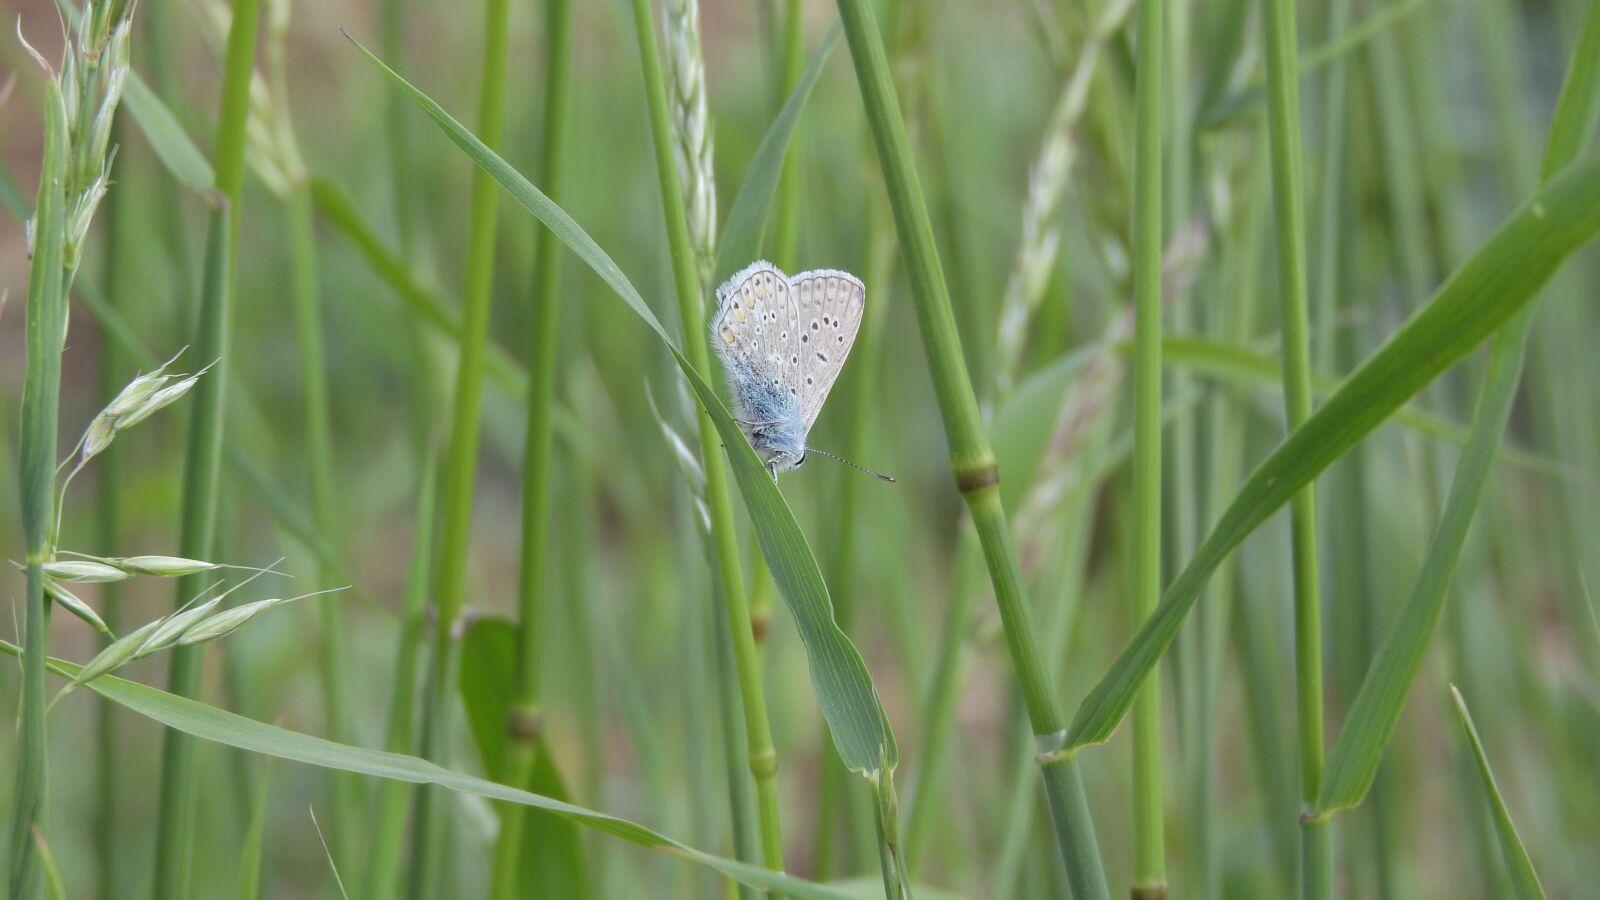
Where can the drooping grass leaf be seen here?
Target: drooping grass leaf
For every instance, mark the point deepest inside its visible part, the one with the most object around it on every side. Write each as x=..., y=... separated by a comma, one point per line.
x=1369, y=726
x=1500, y=278
x=230, y=729
x=551, y=854
x=844, y=689
x=167, y=137
x=1524, y=880
x=1358, y=749
x=1246, y=366
x=747, y=218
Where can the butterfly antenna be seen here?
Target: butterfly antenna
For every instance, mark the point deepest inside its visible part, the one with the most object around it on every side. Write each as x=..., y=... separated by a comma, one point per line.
x=854, y=465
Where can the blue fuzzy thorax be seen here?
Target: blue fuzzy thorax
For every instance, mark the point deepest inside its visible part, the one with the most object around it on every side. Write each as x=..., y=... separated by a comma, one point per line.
x=770, y=415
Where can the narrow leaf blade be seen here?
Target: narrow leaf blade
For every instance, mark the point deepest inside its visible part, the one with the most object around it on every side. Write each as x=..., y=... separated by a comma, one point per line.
x=1501, y=277
x=844, y=689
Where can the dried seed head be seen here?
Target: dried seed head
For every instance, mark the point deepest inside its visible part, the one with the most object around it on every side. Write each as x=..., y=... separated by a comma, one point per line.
x=83, y=571
x=76, y=606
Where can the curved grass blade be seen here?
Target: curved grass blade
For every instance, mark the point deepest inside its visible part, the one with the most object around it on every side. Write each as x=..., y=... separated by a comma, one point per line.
x=1245, y=366
x=1499, y=279
x=1524, y=880
x=219, y=726
x=844, y=689
x=167, y=137
x=747, y=218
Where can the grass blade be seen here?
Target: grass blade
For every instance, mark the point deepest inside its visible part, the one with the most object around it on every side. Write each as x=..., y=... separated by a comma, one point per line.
x=209, y=723
x=1524, y=880
x=740, y=241
x=972, y=460
x=844, y=688
x=1501, y=277
x=167, y=138
x=1371, y=722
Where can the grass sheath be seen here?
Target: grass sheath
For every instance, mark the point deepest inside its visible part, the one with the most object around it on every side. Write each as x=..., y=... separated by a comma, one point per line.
x=971, y=460
x=763, y=759
x=525, y=725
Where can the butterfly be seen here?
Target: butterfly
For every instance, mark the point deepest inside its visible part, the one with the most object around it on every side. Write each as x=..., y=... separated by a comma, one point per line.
x=782, y=341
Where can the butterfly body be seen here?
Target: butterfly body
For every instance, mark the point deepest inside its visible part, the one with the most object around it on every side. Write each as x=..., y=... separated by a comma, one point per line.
x=782, y=341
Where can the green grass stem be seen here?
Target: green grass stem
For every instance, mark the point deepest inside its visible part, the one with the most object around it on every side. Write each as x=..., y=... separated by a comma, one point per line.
x=1149, y=855
x=763, y=758
x=533, y=583
x=1283, y=121
x=45, y=329
x=175, y=823
x=972, y=462
x=461, y=458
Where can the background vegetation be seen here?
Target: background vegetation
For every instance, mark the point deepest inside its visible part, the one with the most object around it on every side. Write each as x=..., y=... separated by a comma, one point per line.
x=1160, y=282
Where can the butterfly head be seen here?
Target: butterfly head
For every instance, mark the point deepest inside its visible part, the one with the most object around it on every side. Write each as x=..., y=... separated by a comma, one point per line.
x=780, y=449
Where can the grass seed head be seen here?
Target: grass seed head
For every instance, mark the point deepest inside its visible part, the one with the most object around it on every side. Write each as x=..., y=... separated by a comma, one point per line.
x=120, y=651
x=163, y=566
x=83, y=571
x=73, y=604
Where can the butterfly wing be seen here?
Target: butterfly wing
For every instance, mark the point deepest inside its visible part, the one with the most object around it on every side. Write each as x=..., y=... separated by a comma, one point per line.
x=830, y=303
x=756, y=334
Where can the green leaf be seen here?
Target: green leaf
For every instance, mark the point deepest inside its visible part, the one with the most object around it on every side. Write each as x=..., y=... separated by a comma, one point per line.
x=1500, y=278
x=166, y=136
x=488, y=671
x=1524, y=880
x=1370, y=724
x=843, y=687
x=1249, y=367
x=747, y=218
x=229, y=729
x=552, y=855
x=1358, y=748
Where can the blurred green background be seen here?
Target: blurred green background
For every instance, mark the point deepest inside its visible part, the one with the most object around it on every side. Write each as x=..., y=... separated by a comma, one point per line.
x=1440, y=137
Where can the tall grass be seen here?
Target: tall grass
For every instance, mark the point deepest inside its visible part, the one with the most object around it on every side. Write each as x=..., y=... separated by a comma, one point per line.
x=1122, y=295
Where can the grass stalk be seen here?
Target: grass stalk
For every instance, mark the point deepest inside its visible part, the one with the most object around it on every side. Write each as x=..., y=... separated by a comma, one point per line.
x=109, y=514
x=461, y=459
x=179, y=783
x=687, y=284
x=382, y=876
x=526, y=722
x=972, y=462
x=1149, y=858
x=45, y=329
x=786, y=218
x=1283, y=123
x=842, y=562
x=306, y=293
